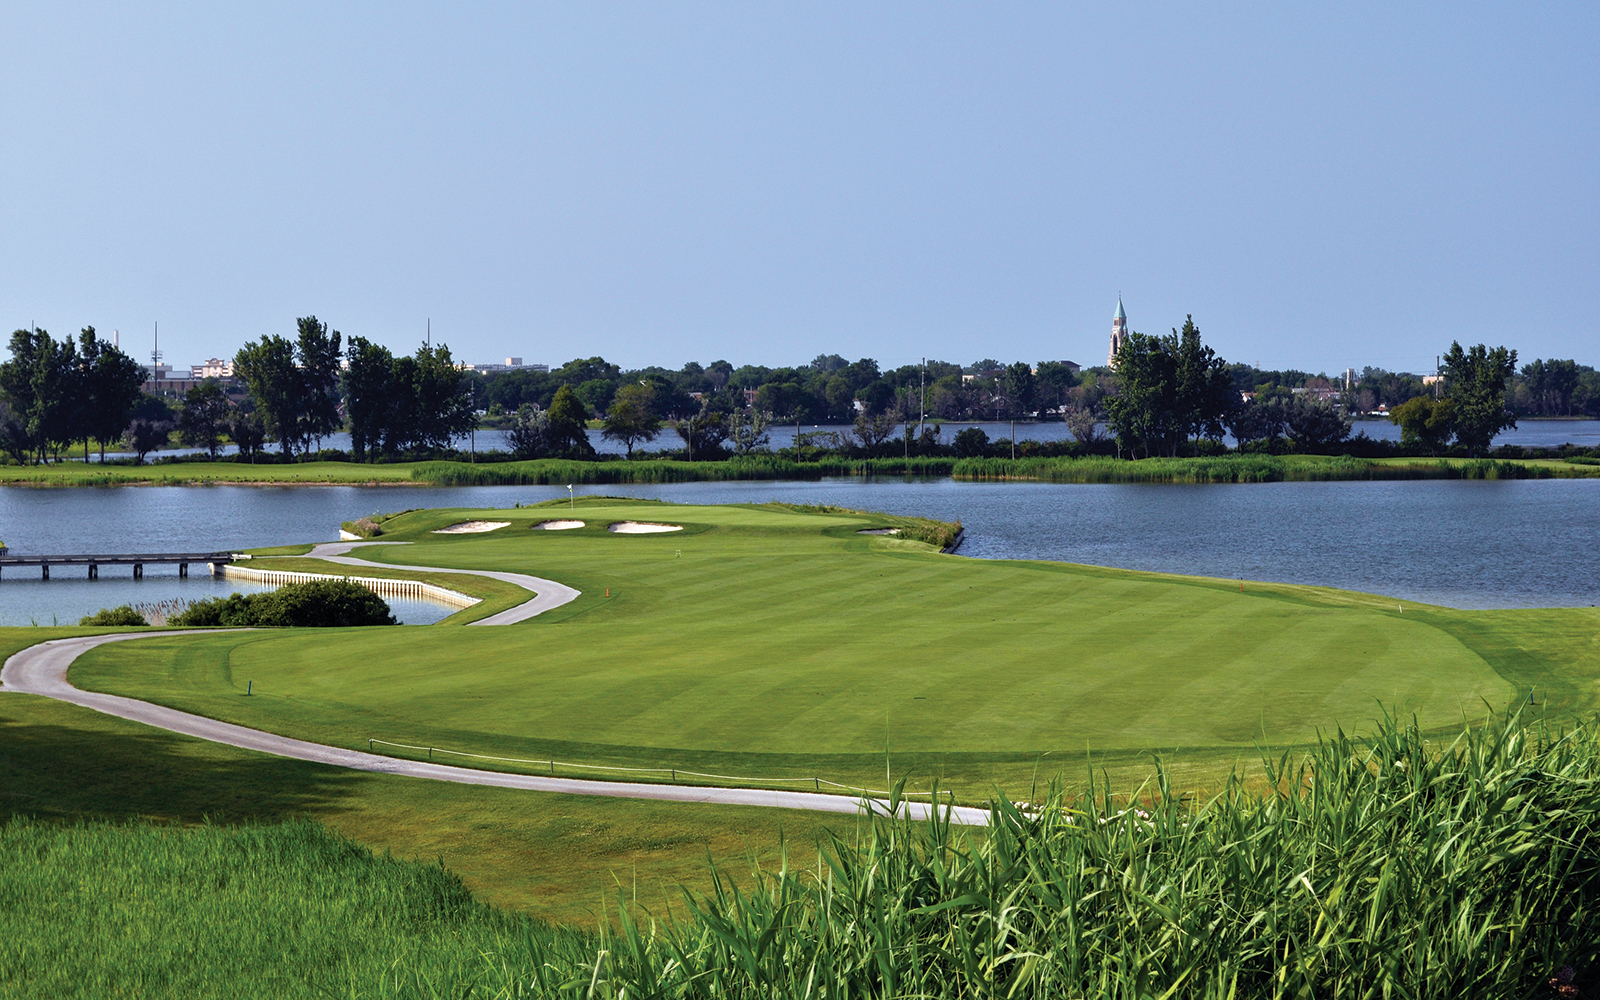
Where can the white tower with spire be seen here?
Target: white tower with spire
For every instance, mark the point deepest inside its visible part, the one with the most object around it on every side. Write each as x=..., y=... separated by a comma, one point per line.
x=1119, y=333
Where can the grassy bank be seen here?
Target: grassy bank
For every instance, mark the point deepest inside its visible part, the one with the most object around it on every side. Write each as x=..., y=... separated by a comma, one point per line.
x=547, y=472
x=1262, y=469
x=1394, y=866
x=774, y=642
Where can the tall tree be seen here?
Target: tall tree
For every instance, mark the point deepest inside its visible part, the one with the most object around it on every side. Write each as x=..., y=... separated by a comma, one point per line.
x=111, y=386
x=1315, y=425
x=567, y=430
x=268, y=368
x=529, y=433
x=1020, y=388
x=368, y=386
x=40, y=382
x=703, y=433
x=631, y=417
x=204, y=416
x=443, y=408
x=318, y=349
x=1143, y=410
x=1478, y=379
x=1206, y=393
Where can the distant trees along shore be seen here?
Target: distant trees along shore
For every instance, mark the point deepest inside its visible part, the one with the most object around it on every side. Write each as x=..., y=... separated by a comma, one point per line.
x=1165, y=395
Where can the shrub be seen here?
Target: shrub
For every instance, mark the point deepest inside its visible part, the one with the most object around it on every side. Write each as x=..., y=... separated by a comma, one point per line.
x=315, y=604
x=124, y=615
x=366, y=527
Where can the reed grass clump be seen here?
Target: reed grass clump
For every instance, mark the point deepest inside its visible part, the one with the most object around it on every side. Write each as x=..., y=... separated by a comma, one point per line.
x=1395, y=867
x=1239, y=468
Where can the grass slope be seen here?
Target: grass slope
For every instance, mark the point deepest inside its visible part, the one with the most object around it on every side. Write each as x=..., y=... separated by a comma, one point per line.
x=771, y=641
x=557, y=856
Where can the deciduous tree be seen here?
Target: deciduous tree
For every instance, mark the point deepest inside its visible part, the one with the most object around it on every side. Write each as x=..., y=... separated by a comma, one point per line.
x=1424, y=422
x=631, y=418
x=568, y=431
x=1477, y=380
x=204, y=416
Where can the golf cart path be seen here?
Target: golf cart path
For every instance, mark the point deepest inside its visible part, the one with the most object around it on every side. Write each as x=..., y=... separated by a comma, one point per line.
x=547, y=594
x=42, y=670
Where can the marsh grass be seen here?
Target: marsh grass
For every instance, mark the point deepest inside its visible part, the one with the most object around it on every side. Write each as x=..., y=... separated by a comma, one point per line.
x=288, y=910
x=1250, y=469
x=1393, y=866
x=546, y=472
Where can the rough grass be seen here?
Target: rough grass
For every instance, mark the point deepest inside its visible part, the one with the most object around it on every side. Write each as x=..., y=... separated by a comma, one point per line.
x=1393, y=866
x=556, y=856
x=771, y=642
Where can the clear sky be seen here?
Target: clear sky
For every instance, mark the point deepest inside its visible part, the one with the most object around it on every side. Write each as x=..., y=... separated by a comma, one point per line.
x=1321, y=186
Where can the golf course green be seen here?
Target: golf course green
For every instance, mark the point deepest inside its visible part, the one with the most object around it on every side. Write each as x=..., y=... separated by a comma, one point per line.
x=774, y=642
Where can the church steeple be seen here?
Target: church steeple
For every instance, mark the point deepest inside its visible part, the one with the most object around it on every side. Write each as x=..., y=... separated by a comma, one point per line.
x=1119, y=333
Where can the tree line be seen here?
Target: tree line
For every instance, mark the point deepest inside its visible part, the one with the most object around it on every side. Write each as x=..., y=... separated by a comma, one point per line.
x=55, y=394
x=1165, y=395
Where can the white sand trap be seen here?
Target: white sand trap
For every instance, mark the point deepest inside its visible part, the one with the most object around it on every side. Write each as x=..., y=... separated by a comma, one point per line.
x=557, y=525
x=641, y=528
x=471, y=527
x=879, y=531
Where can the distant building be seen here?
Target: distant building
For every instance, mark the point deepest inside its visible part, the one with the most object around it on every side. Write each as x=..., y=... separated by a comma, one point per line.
x=511, y=365
x=212, y=368
x=1119, y=333
x=157, y=372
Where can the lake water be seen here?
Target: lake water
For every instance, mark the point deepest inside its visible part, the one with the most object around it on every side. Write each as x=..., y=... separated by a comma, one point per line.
x=1483, y=544
x=1528, y=433
x=67, y=596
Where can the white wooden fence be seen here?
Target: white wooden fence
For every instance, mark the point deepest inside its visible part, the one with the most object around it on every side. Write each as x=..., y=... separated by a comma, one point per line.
x=382, y=587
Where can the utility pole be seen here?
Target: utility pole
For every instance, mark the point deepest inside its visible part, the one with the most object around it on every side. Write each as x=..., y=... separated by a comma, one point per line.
x=922, y=401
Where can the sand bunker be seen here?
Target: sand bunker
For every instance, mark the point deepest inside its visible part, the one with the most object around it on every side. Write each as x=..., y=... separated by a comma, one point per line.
x=641, y=528
x=471, y=527
x=557, y=525
x=879, y=531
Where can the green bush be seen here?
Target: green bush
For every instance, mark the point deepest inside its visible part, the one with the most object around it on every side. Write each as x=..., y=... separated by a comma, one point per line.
x=125, y=615
x=315, y=604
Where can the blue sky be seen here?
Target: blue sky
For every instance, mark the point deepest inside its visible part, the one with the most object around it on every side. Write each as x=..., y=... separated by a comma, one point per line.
x=661, y=182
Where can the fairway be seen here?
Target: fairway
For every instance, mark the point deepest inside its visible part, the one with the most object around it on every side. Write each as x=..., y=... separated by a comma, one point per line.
x=768, y=641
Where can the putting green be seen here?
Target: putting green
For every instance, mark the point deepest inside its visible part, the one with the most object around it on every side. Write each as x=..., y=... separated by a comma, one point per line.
x=765, y=640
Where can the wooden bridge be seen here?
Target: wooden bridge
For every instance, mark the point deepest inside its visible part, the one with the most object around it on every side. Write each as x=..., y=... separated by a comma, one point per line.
x=138, y=562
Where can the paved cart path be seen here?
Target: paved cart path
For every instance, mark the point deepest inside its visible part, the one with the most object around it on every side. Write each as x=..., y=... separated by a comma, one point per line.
x=42, y=670
x=547, y=594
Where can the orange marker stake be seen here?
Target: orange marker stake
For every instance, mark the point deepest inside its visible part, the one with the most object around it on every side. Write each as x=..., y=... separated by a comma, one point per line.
x=608, y=591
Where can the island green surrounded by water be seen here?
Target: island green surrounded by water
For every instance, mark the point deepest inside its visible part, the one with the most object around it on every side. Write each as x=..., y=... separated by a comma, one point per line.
x=766, y=642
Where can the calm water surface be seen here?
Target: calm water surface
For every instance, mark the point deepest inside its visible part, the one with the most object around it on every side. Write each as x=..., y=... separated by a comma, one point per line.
x=1528, y=433
x=1463, y=544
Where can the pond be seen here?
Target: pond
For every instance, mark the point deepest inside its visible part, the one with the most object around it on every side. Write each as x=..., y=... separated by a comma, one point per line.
x=1478, y=544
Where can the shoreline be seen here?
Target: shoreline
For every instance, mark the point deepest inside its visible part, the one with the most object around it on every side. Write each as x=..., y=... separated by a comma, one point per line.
x=1222, y=469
